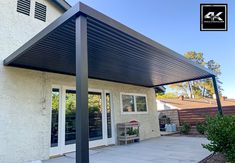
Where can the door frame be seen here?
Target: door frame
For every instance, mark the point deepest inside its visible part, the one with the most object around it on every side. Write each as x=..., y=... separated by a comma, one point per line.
x=62, y=148
x=58, y=149
x=111, y=140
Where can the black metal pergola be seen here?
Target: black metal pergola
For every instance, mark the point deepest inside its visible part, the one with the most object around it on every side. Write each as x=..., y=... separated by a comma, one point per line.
x=86, y=43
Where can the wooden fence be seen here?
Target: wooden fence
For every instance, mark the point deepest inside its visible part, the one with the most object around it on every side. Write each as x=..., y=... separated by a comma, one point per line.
x=194, y=116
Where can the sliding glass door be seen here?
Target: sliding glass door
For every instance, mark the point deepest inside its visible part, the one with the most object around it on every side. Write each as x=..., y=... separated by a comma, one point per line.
x=63, y=119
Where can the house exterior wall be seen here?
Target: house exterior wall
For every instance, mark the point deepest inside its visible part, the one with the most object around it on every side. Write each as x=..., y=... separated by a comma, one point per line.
x=26, y=111
x=164, y=106
x=23, y=123
x=25, y=95
x=149, y=125
x=148, y=121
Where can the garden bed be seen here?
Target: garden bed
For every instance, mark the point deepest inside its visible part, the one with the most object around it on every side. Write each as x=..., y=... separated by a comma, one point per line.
x=214, y=158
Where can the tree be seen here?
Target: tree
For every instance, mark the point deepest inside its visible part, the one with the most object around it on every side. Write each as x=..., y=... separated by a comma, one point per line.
x=203, y=87
x=166, y=95
x=215, y=67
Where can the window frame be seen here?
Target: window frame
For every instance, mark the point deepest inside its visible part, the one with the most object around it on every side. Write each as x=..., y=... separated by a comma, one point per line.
x=135, y=104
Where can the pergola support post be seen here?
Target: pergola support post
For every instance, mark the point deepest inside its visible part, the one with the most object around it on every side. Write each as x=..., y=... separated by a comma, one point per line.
x=82, y=119
x=217, y=95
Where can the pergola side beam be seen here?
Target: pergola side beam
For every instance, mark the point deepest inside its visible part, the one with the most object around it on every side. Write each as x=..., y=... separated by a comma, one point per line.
x=220, y=111
x=217, y=95
x=82, y=119
x=197, y=78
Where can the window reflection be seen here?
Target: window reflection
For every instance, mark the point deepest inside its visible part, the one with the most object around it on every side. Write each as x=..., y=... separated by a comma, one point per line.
x=70, y=115
x=95, y=115
x=55, y=117
x=128, y=103
x=108, y=109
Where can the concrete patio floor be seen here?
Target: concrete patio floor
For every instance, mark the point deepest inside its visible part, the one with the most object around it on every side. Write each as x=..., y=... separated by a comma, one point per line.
x=166, y=149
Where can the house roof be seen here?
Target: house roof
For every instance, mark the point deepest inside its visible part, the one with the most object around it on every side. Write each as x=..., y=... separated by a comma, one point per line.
x=115, y=52
x=62, y=4
x=160, y=89
x=197, y=103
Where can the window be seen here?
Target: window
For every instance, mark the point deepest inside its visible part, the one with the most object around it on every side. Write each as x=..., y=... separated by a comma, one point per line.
x=141, y=105
x=133, y=103
x=128, y=103
x=23, y=6
x=40, y=11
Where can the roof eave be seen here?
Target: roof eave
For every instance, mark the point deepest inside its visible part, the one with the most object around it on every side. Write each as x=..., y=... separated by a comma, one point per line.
x=62, y=4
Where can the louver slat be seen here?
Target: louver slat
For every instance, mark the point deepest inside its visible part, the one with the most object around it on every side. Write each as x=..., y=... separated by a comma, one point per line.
x=23, y=6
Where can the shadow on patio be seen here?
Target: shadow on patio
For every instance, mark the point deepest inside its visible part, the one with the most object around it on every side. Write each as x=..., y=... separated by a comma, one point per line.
x=158, y=150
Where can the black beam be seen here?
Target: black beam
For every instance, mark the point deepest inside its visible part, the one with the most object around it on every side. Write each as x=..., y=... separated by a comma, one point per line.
x=217, y=95
x=197, y=78
x=82, y=119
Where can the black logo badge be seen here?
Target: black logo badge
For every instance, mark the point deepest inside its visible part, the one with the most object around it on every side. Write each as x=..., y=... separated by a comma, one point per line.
x=213, y=17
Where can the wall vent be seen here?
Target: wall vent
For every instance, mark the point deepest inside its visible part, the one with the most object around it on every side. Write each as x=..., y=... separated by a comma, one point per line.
x=23, y=6
x=40, y=11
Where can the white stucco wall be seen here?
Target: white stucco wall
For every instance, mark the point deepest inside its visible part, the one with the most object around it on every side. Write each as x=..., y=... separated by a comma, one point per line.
x=22, y=120
x=25, y=115
x=149, y=122
x=164, y=106
x=25, y=95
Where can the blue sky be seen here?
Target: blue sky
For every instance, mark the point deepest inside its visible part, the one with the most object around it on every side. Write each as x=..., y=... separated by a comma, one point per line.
x=175, y=24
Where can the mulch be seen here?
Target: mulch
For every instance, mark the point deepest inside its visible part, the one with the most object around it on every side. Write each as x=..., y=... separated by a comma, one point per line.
x=214, y=158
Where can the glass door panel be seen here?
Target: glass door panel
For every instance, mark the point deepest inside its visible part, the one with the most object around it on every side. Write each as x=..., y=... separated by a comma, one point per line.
x=109, y=118
x=55, y=117
x=70, y=115
x=95, y=116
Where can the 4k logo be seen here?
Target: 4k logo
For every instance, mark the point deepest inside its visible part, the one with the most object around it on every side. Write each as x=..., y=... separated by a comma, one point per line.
x=213, y=17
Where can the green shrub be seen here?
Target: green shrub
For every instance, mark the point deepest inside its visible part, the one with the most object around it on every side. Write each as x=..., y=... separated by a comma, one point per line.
x=132, y=131
x=220, y=132
x=201, y=128
x=185, y=128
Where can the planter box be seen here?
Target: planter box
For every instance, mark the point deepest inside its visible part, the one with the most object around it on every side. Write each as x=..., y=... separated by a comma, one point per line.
x=122, y=130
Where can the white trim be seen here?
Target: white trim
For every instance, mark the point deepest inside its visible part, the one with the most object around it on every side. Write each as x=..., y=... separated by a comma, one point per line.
x=135, y=107
x=95, y=90
x=56, y=150
x=104, y=118
x=112, y=139
x=69, y=147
